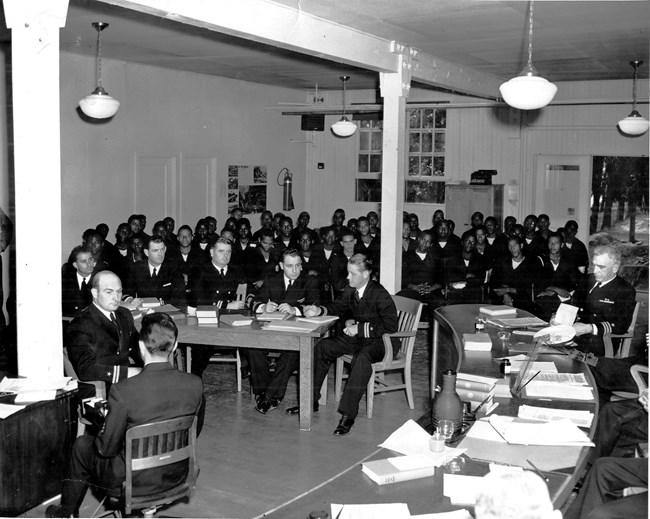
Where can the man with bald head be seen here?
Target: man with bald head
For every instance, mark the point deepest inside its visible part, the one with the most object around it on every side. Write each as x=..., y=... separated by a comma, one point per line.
x=101, y=339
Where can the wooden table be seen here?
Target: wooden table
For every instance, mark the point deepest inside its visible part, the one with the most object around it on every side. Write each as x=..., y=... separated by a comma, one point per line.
x=193, y=335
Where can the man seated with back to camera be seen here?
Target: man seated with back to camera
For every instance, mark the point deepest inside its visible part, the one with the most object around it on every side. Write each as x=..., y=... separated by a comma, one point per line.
x=160, y=392
x=102, y=338
x=215, y=283
x=373, y=314
x=287, y=292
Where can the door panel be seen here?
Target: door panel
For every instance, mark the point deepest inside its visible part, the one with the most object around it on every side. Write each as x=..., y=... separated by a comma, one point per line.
x=155, y=188
x=198, y=190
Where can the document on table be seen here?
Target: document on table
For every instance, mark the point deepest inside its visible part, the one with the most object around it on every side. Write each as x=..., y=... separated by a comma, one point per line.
x=17, y=385
x=548, y=414
x=515, y=367
x=8, y=410
x=521, y=432
x=425, y=459
x=410, y=438
x=456, y=514
x=318, y=320
x=565, y=315
x=462, y=490
x=372, y=511
x=557, y=391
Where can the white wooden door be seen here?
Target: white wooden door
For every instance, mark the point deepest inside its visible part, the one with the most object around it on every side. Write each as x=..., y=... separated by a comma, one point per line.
x=198, y=190
x=155, y=188
x=562, y=190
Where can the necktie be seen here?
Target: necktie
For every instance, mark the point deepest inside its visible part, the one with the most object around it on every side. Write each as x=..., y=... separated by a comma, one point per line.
x=117, y=327
x=222, y=273
x=597, y=285
x=356, y=296
x=84, y=285
x=154, y=274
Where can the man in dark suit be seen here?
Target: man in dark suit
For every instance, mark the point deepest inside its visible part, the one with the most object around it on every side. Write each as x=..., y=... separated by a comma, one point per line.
x=75, y=283
x=215, y=283
x=287, y=292
x=160, y=392
x=157, y=277
x=606, y=301
x=422, y=273
x=102, y=337
x=373, y=314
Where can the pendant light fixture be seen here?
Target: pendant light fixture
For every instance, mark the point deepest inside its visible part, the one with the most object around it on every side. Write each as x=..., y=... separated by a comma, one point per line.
x=634, y=124
x=529, y=90
x=344, y=128
x=99, y=105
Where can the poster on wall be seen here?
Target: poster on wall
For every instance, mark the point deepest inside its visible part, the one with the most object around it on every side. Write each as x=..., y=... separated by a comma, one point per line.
x=247, y=188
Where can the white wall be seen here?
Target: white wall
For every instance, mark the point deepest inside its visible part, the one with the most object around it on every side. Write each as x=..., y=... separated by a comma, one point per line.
x=166, y=113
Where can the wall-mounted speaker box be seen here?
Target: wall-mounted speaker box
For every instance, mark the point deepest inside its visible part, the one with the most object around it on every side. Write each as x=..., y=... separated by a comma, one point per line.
x=312, y=122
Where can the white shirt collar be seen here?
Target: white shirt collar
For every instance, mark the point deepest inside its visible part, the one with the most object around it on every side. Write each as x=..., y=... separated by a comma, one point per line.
x=107, y=314
x=151, y=267
x=80, y=279
x=362, y=290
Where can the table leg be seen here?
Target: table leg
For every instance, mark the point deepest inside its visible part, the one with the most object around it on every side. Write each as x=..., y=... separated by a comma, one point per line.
x=188, y=359
x=306, y=382
x=434, y=355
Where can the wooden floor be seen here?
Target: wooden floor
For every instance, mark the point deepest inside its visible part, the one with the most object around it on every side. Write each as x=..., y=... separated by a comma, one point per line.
x=253, y=464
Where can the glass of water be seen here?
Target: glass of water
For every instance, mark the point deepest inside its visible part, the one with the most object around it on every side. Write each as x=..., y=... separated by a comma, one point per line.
x=446, y=428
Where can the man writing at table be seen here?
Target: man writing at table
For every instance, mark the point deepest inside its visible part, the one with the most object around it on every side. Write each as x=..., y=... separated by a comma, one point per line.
x=159, y=392
x=373, y=314
x=287, y=292
x=101, y=339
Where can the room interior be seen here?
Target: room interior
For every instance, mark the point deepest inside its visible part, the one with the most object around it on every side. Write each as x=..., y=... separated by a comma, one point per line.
x=205, y=88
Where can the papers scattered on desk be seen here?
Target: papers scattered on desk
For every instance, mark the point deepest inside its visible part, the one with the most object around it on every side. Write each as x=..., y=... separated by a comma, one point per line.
x=8, y=410
x=19, y=385
x=477, y=342
x=574, y=379
x=410, y=438
x=565, y=315
x=547, y=414
x=375, y=511
x=456, y=514
x=544, y=367
x=462, y=490
x=318, y=320
x=520, y=432
x=498, y=310
x=150, y=302
x=235, y=320
x=518, y=322
x=557, y=391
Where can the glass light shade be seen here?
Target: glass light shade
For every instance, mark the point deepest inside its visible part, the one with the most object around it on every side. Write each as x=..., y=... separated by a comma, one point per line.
x=528, y=92
x=634, y=124
x=99, y=105
x=344, y=128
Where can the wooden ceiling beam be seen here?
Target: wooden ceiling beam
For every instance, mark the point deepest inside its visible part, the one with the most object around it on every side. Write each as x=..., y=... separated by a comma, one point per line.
x=281, y=26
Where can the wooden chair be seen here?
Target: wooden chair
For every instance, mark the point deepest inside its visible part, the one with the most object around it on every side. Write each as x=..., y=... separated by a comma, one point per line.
x=151, y=446
x=408, y=313
x=626, y=339
x=637, y=372
x=226, y=355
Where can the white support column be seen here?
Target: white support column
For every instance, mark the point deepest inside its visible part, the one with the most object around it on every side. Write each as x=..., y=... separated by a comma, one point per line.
x=35, y=28
x=394, y=89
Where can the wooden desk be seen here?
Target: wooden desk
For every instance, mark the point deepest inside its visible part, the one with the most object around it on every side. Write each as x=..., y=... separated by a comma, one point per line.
x=193, y=335
x=35, y=447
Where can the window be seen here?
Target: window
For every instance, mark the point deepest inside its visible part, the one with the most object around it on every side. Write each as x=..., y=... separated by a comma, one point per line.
x=426, y=156
x=368, y=188
x=425, y=169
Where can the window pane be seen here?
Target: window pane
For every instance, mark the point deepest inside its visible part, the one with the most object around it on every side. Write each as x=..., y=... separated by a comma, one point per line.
x=441, y=118
x=376, y=141
x=363, y=163
x=414, y=118
x=364, y=140
x=425, y=167
x=368, y=190
x=414, y=166
x=375, y=163
x=365, y=123
x=426, y=142
x=439, y=166
x=440, y=142
x=424, y=192
x=414, y=142
x=428, y=119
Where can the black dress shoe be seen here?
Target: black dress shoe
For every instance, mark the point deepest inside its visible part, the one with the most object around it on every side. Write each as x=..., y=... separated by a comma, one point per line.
x=344, y=426
x=296, y=409
x=267, y=404
x=245, y=372
x=57, y=511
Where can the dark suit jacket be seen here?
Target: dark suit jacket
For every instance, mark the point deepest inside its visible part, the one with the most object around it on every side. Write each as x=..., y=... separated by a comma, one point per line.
x=95, y=349
x=159, y=392
x=473, y=273
x=207, y=287
x=195, y=259
x=257, y=268
x=73, y=299
x=417, y=271
x=609, y=307
x=303, y=291
x=375, y=313
x=168, y=284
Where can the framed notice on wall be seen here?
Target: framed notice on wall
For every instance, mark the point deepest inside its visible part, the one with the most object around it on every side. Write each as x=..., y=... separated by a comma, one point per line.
x=247, y=188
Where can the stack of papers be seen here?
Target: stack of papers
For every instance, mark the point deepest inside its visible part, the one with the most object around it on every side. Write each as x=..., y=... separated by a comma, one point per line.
x=235, y=320
x=318, y=320
x=272, y=316
x=521, y=432
x=498, y=310
x=517, y=322
x=291, y=326
x=462, y=490
x=477, y=342
x=548, y=414
x=30, y=390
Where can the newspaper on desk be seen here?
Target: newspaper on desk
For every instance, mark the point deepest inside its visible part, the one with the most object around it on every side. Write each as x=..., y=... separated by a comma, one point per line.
x=33, y=389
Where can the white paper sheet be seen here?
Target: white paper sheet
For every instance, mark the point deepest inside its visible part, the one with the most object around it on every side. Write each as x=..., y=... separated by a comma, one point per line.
x=16, y=385
x=428, y=459
x=547, y=414
x=8, y=410
x=371, y=511
x=518, y=432
x=456, y=514
x=462, y=490
x=410, y=438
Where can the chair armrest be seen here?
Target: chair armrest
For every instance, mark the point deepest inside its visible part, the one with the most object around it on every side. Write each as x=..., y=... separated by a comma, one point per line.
x=100, y=387
x=400, y=335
